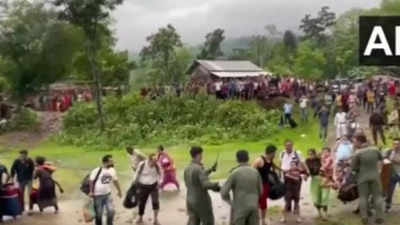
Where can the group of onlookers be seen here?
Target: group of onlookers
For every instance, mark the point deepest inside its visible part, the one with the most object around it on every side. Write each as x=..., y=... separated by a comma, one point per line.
x=23, y=173
x=150, y=174
x=58, y=101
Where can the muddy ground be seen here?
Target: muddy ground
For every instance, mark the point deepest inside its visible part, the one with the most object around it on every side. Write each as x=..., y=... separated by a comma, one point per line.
x=173, y=209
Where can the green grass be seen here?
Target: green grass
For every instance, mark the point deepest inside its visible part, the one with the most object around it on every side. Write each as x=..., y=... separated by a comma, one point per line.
x=74, y=162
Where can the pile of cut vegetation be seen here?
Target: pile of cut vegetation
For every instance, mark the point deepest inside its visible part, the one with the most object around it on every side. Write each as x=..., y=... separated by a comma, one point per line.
x=133, y=120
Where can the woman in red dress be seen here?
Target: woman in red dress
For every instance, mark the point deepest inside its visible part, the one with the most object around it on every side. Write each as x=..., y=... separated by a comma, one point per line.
x=167, y=165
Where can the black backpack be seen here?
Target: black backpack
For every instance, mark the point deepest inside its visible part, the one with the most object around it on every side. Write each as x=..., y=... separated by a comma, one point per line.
x=277, y=188
x=85, y=187
x=349, y=191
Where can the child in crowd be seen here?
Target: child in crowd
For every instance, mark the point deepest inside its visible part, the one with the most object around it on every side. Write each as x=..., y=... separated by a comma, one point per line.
x=293, y=179
x=327, y=165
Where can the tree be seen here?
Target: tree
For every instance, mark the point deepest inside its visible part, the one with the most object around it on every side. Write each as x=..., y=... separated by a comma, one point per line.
x=183, y=59
x=212, y=46
x=92, y=16
x=346, y=41
x=114, y=66
x=161, y=51
x=315, y=28
x=36, y=48
x=290, y=40
x=309, y=61
x=390, y=7
x=272, y=31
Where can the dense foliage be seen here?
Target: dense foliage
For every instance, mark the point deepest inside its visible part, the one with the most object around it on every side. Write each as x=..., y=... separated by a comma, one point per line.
x=36, y=49
x=23, y=120
x=168, y=120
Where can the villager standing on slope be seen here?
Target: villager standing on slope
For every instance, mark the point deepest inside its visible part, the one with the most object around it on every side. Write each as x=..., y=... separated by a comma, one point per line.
x=198, y=201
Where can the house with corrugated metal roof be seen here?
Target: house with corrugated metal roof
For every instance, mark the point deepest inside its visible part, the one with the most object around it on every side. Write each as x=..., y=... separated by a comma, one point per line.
x=214, y=69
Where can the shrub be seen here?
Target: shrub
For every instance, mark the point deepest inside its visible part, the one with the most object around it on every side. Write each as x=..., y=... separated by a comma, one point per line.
x=168, y=120
x=25, y=119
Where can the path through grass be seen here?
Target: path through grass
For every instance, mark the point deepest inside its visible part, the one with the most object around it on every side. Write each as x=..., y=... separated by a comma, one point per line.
x=74, y=162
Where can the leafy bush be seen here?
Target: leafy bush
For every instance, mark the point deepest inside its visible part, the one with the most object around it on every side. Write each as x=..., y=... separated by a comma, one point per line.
x=168, y=120
x=25, y=119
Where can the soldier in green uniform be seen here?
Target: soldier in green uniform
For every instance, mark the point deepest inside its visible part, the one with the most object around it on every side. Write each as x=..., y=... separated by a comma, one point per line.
x=198, y=201
x=366, y=164
x=246, y=185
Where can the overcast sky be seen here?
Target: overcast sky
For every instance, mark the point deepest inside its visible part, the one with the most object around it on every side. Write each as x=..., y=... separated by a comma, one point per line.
x=136, y=19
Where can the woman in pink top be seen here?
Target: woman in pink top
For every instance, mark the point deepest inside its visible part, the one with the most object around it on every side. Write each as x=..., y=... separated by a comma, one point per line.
x=168, y=167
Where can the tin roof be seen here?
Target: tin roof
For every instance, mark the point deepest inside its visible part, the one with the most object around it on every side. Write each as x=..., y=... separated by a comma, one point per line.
x=229, y=68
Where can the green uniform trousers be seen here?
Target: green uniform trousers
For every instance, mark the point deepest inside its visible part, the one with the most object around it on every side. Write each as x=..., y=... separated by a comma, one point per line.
x=200, y=216
x=371, y=188
x=250, y=217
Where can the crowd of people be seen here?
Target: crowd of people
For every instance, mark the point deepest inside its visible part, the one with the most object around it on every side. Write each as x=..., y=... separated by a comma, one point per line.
x=353, y=163
x=28, y=178
x=58, y=100
x=238, y=88
x=249, y=186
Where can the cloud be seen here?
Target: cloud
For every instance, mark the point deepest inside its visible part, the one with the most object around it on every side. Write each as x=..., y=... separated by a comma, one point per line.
x=193, y=19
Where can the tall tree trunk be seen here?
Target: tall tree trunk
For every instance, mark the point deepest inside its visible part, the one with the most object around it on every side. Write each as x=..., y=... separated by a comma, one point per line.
x=96, y=77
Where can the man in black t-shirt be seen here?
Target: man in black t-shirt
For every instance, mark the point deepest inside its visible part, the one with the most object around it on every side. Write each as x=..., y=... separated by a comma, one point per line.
x=22, y=169
x=264, y=164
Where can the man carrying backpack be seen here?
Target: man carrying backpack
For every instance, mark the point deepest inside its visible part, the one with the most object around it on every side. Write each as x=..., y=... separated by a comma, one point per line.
x=100, y=181
x=288, y=157
x=264, y=164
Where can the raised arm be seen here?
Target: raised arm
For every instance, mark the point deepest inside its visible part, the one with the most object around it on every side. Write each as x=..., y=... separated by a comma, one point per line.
x=205, y=181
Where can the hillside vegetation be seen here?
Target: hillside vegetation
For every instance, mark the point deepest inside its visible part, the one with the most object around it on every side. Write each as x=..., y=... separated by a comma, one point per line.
x=133, y=120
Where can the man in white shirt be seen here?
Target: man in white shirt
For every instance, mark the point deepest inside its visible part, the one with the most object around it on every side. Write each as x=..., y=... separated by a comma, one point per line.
x=303, y=108
x=288, y=155
x=100, y=183
x=136, y=157
x=341, y=123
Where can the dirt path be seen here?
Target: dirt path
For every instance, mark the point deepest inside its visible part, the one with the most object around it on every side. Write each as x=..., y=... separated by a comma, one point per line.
x=173, y=208
x=50, y=122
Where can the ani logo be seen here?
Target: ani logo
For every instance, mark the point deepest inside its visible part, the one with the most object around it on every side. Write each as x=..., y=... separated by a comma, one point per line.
x=379, y=40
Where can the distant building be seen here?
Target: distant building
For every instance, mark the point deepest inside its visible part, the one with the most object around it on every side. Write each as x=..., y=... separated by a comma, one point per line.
x=215, y=69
